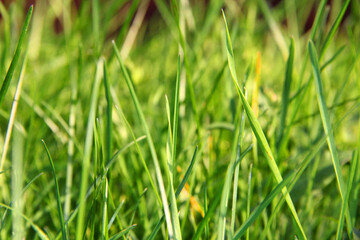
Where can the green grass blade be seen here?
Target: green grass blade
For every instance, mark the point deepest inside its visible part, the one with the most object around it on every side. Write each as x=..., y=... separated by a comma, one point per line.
x=122, y=233
x=248, y=201
x=177, y=193
x=104, y=222
x=286, y=90
x=61, y=216
x=176, y=118
x=15, y=60
x=209, y=214
x=87, y=150
x=255, y=125
x=148, y=138
x=109, y=132
x=36, y=228
x=236, y=150
x=354, y=165
x=327, y=127
x=13, y=112
x=274, y=27
x=256, y=213
x=333, y=29
x=17, y=175
x=174, y=208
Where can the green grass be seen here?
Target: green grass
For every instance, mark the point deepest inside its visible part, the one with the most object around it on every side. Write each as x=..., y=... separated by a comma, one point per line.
x=145, y=109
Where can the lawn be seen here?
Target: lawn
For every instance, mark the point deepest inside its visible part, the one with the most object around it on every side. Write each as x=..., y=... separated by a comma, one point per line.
x=153, y=119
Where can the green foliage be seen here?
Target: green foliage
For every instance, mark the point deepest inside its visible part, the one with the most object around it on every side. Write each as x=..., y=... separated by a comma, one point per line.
x=145, y=107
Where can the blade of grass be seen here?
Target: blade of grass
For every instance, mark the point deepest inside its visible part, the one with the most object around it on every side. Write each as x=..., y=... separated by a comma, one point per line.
x=122, y=233
x=173, y=204
x=36, y=228
x=22, y=192
x=17, y=175
x=286, y=90
x=256, y=213
x=248, y=201
x=61, y=216
x=112, y=219
x=328, y=129
x=333, y=29
x=13, y=113
x=237, y=169
x=274, y=27
x=14, y=61
x=148, y=138
x=87, y=150
x=104, y=222
x=353, y=166
x=214, y=204
x=177, y=193
x=236, y=150
x=70, y=150
x=255, y=125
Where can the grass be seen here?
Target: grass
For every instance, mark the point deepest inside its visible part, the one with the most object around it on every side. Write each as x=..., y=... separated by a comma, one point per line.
x=149, y=110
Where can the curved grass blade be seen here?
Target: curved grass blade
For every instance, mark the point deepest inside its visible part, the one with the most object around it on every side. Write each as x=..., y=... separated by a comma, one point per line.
x=22, y=192
x=256, y=213
x=36, y=228
x=14, y=62
x=328, y=129
x=61, y=216
x=255, y=125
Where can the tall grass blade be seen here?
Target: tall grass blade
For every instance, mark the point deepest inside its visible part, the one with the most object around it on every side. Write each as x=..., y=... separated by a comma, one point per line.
x=255, y=125
x=248, y=200
x=61, y=216
x=327, y=128
x=215, y=202
x=13, y=113
x=148, y=138
x=17, y=174
x=286, y=90
x=354, y=165
x=333, y=29
x=14, y=61
x=88, y=150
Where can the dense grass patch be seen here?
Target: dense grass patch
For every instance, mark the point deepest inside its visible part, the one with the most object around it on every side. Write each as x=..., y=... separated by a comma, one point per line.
x=180, y=119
